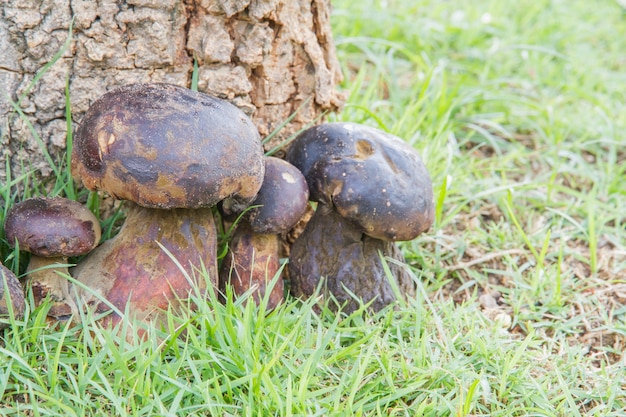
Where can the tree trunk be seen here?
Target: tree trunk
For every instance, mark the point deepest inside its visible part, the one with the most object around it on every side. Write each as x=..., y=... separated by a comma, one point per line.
x=269, y=57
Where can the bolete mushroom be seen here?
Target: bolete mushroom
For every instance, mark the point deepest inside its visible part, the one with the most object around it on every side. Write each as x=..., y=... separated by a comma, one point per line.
x=172, y=153
x=372, y=189
x=253, y=257
x=11, y=301
x=52, y=229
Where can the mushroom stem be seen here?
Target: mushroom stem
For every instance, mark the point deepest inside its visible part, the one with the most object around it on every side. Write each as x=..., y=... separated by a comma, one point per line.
x=45, y=275
x=252, y=262
x=334, y=249
x=153, y=263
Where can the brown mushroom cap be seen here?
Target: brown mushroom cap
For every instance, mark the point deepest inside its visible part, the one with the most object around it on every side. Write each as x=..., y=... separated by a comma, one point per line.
x=282, y=199
x=371, y=177
x=51, y=227
x=164, y=146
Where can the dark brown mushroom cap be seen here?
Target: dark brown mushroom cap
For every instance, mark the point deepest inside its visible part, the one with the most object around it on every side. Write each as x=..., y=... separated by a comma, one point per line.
x=371, y=177
x=164, y=146
x=282, y=199
x=51, y=227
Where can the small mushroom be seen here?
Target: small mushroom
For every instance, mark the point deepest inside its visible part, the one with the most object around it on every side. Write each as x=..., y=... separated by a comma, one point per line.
x=372, y=189
x=172, y=153
x=253, y=257
x=13, y=299
x=52, y=229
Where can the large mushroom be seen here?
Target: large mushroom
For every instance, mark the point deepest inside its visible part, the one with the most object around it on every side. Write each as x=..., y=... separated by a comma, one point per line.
x=253, y=257
x=52, y=229
x=11, y=296
x=372, y=189
x=172, y=153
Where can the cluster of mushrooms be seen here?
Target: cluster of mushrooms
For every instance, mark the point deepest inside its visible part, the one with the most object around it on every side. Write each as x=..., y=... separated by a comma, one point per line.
x=183, y=161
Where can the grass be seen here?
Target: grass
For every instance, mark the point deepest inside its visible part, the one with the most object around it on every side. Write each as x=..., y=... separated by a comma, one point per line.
x=518, y=111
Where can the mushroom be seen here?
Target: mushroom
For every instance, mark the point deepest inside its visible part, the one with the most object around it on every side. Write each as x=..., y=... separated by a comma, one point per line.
x=253, y=257
x=172, y=153
x=11, y=296
x=52, y=229
x=372, y=189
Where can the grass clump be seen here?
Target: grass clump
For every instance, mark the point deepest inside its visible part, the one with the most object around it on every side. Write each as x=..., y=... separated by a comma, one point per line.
x=518, y=111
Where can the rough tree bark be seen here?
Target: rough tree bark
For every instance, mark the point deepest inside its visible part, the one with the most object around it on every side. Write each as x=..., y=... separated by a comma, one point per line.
x=266, y=56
